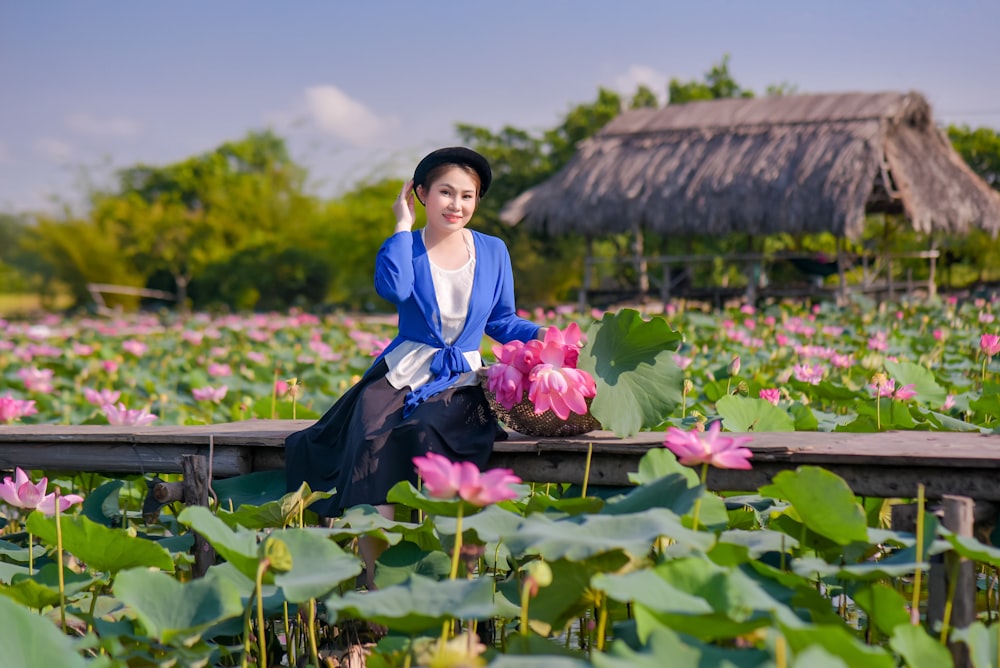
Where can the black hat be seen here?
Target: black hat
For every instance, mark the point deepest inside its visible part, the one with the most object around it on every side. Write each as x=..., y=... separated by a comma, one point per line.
x=458, y=155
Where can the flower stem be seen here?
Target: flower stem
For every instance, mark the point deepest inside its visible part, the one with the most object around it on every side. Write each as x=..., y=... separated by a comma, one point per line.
x=602, y=622
x=586, y=470
x=313, y=648
x=59, y=564
x=261, y=642
x=914, y=605
x=525, y=596
x=697, y=503
x=31, y=554
x=289, y=646
x=458, y=545
x=455, y=556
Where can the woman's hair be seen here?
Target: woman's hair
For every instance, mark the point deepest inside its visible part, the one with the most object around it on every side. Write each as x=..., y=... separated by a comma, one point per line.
x=437, y=171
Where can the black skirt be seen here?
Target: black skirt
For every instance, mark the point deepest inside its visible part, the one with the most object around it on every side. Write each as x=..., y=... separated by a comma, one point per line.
x=362, y=446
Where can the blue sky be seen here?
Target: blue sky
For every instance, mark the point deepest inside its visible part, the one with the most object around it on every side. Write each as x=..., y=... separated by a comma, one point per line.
x=363, y=89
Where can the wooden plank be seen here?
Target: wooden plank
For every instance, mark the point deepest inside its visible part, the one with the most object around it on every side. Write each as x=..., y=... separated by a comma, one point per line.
x=885, y=464
x=121, y=457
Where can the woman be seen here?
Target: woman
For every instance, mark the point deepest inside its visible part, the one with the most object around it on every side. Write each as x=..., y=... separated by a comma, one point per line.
x=450, y=285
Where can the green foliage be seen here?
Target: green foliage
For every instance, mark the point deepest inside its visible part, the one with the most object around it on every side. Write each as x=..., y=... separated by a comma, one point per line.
x=718, y=84
x=102, y=548
x=31, y=640
x=823, y=501
x=980, y=148
x=175, y=612
x=638, y=383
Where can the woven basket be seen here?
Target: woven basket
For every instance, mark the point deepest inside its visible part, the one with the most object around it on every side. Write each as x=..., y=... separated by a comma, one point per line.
x=522, y=418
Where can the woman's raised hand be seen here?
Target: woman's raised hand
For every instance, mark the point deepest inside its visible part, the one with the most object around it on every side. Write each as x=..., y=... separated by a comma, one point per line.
x=404, y=209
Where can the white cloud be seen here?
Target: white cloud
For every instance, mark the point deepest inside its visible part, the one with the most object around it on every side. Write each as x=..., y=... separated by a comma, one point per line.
x=92, y=126
x=336, y=113
x=54, y=149
x=643, y=75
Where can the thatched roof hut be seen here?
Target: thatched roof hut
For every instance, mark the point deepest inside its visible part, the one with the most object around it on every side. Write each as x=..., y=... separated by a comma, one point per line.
x=797, y=164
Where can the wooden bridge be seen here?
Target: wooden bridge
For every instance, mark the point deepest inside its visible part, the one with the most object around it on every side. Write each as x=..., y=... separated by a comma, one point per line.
x=886, y=464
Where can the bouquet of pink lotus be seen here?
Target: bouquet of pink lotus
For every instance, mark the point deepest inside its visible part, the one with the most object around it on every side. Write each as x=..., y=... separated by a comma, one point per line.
x=545, y=371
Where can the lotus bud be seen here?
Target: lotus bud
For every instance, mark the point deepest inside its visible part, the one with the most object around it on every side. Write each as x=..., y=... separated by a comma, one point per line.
x=880, y=380
x=734, y=366
x=538, y=575
x=276, y=552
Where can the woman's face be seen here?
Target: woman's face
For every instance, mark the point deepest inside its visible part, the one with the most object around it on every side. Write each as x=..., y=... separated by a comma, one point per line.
x=450, y=200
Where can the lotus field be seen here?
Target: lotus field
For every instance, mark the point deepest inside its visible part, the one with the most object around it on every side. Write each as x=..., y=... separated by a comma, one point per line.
x=482, y=568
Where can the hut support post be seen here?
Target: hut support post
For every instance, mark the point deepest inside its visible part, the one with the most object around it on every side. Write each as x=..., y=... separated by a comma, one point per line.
x=932, y=271
x=584, y=296
x=665, y=286
x=196, y=483
x=641, y=267
x=841, y=273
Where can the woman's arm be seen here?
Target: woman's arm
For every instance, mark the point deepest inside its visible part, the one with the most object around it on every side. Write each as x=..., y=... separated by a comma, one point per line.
x=504, y=324
x=394, y=262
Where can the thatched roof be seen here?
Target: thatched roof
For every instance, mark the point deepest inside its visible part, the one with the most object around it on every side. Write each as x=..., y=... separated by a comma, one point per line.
x=800, y=163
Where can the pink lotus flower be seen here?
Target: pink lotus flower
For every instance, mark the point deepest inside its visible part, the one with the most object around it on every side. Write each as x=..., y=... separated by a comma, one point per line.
x=22, y=493
x=808, y=373
x=110, y=366
x=209, y=393
x=506, y=382
x=280, y=388
x=36, y=380
x=101, y=398
x=551, y=385
x=771, y=394
x=137, y=348
x=989, y=344
x=841, y=361
x=14, y=409
x=724, y=452
x=546, y=370
x=882, y=386
x=48, y=503
x=83, y=350
x=949, y=403
x=564, y=390
x=216, y=369
x=905, y=392
x=682, y=362
x=121, y=416
x=444, y=479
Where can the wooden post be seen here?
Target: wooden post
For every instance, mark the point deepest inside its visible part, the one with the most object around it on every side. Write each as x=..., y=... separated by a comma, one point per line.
x=584, y=296
x=665, y=286
x=841, y=273
x=638, y=257
x=951, y=573
x=932, y=272
x=196, y=483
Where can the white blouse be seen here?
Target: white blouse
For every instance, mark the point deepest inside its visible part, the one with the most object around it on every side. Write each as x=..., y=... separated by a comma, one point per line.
x=410, y=362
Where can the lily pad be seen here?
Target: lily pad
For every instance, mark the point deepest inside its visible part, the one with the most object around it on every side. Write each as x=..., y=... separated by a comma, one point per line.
x=631, y=359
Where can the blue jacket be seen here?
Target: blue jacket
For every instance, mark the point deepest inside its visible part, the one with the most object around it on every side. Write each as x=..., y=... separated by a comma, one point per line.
x=403, y=277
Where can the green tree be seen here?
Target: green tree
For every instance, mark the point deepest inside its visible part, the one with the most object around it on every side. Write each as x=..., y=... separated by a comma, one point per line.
x=545, y=267
x=644, y=98
x=980, y=148
x=717, y=84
